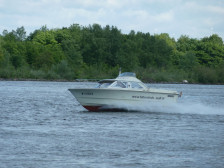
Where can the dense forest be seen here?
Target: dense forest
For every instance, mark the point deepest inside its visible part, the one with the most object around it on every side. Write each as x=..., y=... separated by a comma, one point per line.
x=97, y=52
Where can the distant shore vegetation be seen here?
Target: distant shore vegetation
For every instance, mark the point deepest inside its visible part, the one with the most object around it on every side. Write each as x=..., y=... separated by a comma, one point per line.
x=97, y=52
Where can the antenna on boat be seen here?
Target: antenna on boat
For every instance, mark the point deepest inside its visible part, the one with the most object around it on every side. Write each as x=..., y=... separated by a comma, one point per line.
x=119, y=70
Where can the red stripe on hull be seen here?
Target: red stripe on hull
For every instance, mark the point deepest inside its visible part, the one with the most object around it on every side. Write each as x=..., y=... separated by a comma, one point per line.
x=92, y=108
x=100, y=108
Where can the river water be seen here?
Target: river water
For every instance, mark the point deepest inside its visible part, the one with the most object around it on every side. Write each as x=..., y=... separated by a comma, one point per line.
x=42, y=125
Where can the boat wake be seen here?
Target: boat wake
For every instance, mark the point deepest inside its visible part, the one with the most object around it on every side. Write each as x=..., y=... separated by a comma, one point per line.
x=199, y=108
x=177, y=108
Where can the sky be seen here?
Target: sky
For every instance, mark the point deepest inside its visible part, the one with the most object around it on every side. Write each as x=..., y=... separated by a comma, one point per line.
x=193, y=18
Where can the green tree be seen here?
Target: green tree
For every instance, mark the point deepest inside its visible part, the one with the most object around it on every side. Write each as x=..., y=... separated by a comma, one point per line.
x=20, y=34
x=184, y=44
x=72, y=51
x=188, y=61
x=128, y=55
x=1, y=49
x=210, y=51
x=48, y=55
x=16, y=61
x=45, y=38
x=162, y=53
x=113, y=39
x=63, y=70
x=32, y=51
x=96, y=51
x=16, y=52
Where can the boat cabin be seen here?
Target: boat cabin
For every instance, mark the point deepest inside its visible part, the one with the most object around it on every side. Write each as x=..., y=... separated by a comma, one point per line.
x=126, y=80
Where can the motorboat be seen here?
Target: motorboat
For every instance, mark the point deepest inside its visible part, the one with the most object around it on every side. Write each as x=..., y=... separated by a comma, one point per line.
x=122, y=93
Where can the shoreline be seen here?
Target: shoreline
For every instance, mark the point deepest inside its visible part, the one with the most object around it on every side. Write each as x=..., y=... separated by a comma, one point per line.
x=96, y=80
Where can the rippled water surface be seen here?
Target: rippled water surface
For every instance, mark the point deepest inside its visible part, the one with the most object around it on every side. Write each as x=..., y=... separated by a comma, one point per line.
x=42, y=125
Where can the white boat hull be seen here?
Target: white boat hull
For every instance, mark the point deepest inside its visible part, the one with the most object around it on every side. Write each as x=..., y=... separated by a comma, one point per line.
x=120, y=99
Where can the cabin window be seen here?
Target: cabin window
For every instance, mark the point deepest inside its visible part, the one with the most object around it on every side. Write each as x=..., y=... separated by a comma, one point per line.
x=103, y=85
x=118, y=84
x=127, y=84
x=121, y=84
x=135, y=85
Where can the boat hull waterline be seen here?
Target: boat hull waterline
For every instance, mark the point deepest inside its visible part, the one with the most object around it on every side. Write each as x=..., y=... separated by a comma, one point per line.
x=95, y=99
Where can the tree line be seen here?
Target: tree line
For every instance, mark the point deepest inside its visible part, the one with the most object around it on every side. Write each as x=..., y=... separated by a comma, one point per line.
x=97, y=52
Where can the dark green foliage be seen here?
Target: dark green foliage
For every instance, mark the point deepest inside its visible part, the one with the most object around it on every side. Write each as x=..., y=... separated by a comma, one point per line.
x=206, y=75
x=63, y=70
x=188, y=61
x=16, y=61
x=220, y=73
x=98, y=52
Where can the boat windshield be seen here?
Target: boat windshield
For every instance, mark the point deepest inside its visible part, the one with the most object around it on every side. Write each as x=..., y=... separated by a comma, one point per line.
x=104, y=84
x=129, y=74
x=118, y=84
x=121, y=84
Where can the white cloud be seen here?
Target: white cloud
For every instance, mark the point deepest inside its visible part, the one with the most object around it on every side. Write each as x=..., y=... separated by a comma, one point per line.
x=178, y=17
x=215, y=9
x=165, y=17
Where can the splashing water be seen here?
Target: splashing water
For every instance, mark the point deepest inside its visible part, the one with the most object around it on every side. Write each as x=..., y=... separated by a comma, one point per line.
x=178, y=108
x=198, y=108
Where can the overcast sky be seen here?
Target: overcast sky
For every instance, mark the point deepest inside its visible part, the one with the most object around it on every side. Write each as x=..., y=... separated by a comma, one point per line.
x=195, y=18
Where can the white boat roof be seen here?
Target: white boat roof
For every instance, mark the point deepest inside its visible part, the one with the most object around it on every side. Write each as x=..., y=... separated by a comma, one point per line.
x=126, y=76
